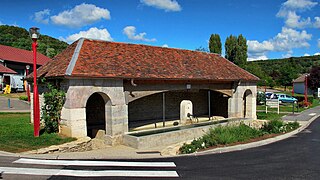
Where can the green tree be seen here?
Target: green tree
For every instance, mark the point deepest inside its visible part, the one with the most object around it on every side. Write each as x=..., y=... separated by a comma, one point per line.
x=236, y=50
x=241, y=51
x=215, y=44
x=314, y=79
x=231, y=48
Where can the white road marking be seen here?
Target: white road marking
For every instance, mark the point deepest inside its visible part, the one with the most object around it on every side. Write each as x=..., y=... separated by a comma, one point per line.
x=312, y=114
x=94, y=163
x=84, y=173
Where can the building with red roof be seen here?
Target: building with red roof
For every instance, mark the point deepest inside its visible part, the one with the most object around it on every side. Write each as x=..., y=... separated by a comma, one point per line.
x=14, y=61
x=115, y=87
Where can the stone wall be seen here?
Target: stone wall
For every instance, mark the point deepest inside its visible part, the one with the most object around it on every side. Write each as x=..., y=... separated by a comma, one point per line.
x=236, y=102
x=73, y=118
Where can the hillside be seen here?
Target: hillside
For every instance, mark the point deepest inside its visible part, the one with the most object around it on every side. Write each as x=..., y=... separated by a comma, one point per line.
x=19, y=38
x=281, y=72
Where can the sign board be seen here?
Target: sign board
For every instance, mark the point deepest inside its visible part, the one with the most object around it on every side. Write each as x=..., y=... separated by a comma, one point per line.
x=273, y=103
x=318, y=92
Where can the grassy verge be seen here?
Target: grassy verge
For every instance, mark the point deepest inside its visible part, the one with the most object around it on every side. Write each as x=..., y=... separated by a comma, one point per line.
x=17, y=134
x=269, y=116
x=224, y=135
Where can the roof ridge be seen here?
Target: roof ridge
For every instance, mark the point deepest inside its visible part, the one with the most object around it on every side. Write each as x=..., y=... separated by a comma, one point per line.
x=74, y=58
x=147, y=45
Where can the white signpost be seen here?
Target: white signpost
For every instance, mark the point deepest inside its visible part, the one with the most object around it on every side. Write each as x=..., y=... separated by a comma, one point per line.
x=319, y=92
x=272, y=103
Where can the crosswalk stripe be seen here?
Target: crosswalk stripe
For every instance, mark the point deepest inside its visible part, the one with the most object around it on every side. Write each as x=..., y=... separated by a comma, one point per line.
x=85, y=173
x=94, y=163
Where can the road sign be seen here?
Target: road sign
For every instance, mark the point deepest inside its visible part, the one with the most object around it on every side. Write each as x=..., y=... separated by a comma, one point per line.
x=318, y=92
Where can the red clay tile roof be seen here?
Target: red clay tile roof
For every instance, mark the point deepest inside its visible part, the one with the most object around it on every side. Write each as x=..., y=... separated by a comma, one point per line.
x=6, y=70
x=101, y=59
x=20, y=55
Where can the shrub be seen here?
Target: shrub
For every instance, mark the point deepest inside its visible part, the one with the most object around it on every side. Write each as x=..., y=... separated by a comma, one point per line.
x=23, y=98
x=261, y=98
x=51, y=111
x=273, y=126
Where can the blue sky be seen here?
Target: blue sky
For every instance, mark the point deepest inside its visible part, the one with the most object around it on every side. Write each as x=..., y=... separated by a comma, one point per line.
x=273, y=28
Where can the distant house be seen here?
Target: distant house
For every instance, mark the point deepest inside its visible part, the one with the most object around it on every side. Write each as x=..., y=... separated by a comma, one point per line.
x=14, y=61
x=299, y=84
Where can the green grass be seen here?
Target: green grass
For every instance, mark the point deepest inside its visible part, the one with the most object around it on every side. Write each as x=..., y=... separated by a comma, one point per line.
x=269, y=116
x=17, y=134
x=287, y=107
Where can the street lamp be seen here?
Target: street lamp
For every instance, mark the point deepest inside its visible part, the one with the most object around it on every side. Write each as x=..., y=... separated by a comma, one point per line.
x=28, y=90
x=34, y=34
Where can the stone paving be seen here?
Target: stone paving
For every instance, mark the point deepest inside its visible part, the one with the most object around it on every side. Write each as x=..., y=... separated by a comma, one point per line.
x=16, y=105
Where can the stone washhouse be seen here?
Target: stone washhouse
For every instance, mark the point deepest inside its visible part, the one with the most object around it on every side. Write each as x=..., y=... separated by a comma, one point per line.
x=114, y=86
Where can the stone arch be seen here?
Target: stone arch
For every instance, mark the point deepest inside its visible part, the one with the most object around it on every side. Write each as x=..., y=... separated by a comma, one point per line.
x=98, y=113
x=247, y=104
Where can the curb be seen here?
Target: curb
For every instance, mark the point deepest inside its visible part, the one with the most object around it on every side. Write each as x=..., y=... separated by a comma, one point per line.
x=253, y=144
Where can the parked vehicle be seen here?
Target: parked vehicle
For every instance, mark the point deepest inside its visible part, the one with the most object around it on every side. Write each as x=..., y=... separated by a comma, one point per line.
x=283, y=98
x=268, y=95
x=15, y=82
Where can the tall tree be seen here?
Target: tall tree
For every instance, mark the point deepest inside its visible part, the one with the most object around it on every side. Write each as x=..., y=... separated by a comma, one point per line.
x=314, y=79
x=231, y=48
x=241, y=52
x=215, y=44
x=236, y=50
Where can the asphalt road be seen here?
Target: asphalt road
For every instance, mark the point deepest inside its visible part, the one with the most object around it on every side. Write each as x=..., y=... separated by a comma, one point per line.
x=294, y=158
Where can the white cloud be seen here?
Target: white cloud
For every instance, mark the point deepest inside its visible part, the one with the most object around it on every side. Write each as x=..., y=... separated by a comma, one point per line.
x=167, y=5
x=288, y=12
x=257, y=47
x=93, y=33
x=287, y=55
x=42, y=16
x=299, y=4
x=1, y=23
x=316, y=22
x=295, y=21
x=165, y=45
x=81, y=15
x=290, y=38
x=316, y=54
x=130, y=32
x=287, y=40
x=255, y=58
x=306, y=54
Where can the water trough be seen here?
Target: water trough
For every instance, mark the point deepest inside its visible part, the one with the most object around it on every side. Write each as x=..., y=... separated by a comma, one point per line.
x=149, y=139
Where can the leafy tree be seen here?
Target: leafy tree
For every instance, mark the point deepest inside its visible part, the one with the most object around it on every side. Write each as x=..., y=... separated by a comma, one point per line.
x=241, y=51
x=287, y=75
x=314, y=79
x=231, y=48
x=215, y=44
x=236, y=50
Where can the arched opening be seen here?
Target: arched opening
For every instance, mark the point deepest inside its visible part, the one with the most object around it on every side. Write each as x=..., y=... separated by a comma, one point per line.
x=247, y=104
x=96, y=113
x=156, y=107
